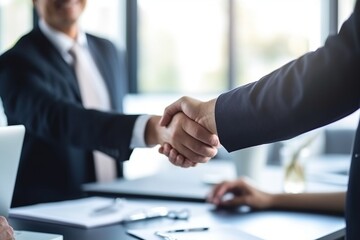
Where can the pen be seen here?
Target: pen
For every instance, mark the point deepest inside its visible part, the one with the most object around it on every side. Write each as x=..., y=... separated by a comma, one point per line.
x=196, y=229
x=164, y=234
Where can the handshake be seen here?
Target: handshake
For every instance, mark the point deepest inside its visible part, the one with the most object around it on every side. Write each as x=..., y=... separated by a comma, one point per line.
x=187, y=132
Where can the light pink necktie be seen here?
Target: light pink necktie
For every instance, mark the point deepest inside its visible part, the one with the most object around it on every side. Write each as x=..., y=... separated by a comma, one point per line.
x=94, y=95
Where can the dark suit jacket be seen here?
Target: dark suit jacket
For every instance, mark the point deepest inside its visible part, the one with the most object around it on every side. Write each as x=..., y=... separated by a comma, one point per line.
x=39, y=89
x=314, y=90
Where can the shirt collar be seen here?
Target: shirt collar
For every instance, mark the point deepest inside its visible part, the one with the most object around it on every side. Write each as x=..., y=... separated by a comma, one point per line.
x=61, y=41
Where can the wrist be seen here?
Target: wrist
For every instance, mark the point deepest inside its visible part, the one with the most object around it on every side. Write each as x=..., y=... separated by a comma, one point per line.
x=152, y=130
x=208, y=116
x=272, y=200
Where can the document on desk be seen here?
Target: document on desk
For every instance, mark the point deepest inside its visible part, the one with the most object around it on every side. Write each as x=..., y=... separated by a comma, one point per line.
x=86, y=213
x=28, y=235
x=212, y=233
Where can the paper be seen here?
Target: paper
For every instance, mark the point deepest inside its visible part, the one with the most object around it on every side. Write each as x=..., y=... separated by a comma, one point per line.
x=80, y=212
x=214, y=233
x=28, y=235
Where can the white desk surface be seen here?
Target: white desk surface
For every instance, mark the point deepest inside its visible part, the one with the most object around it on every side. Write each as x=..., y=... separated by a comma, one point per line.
x=265, y=224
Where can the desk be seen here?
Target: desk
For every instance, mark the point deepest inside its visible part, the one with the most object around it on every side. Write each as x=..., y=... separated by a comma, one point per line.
x=191, y=184
x=275, y=225
x=173, y=184
x=270, y=225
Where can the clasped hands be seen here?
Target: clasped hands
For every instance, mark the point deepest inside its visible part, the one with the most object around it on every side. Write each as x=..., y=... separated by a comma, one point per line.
x=197, y=140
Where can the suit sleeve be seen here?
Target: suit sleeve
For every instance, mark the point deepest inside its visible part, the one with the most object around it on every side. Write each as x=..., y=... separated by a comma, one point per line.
x=34, y=103
x=314, y=90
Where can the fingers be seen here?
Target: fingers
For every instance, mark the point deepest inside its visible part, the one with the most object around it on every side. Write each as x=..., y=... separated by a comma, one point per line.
x=243, y=193
x=6, y=231
x=179, y=135
x=179, y=160
x=189, y=106
x=201, y=140
x=234, y=202
x=174, y=157
x=200, y=133
x=3, y=221
x=200, y=112
x=165, y=149
x=217, y=193
x=170, y=111
x=186, y=136
x=190, y=142
x=239, y=189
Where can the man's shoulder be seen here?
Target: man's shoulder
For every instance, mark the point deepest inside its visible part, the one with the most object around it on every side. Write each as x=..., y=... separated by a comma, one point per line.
x=28, y=43
x=100, y=42
x=31, y=48
x=98, y=39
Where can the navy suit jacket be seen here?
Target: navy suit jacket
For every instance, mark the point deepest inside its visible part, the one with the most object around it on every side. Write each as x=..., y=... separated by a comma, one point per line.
x=314, y=90
x=40, y=90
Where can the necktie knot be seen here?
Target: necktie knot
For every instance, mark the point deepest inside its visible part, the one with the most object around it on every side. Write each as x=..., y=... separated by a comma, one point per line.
x=74, y=51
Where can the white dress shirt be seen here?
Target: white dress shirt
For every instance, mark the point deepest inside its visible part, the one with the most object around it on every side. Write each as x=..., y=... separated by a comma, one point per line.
x=64, y=43
x=94, y=92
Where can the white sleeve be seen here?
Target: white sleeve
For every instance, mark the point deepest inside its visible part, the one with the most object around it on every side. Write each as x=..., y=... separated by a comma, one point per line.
x=138, y=135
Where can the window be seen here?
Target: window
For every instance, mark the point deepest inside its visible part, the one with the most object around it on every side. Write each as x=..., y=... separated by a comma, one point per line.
x=345, y=9
x=268, y=34
x=12, y=26
x=182, y=46
x=15, y=20
x=207, y=46
x=106, y=18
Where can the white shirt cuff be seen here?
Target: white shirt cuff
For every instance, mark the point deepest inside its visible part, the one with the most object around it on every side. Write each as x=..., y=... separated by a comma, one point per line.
x=138, y=135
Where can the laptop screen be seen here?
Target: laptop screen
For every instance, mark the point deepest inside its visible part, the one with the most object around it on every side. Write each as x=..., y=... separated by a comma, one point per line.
x=11, y=140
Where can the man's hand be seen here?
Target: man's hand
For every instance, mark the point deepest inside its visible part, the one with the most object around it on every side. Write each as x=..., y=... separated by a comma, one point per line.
x=243, y=193
x=174, y=157
x=201, y=112
x=6, y=231
x=192, y=141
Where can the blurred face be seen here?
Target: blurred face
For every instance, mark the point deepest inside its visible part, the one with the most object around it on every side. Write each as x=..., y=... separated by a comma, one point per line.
x=60, y=14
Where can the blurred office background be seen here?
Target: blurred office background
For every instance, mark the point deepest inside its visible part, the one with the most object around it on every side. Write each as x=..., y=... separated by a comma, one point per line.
x=198, y=48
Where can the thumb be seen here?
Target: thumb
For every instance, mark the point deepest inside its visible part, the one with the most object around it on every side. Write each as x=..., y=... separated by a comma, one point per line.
x=169, y=112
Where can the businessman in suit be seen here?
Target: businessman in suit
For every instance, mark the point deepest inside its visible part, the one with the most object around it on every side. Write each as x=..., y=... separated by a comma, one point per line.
x=314, y=90
x=40, y=87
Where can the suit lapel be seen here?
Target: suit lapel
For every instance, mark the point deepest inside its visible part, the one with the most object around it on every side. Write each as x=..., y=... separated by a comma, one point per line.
x=53, y=56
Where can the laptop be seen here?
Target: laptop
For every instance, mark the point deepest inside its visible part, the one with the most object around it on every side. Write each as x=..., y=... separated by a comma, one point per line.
x=153, y=187
x=11, y=140
x=192, y=184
